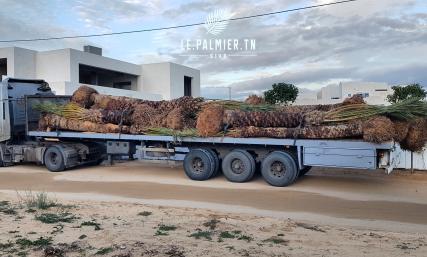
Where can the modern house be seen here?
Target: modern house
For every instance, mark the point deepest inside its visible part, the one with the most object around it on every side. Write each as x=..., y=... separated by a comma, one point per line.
x=372, y=92
x=66, y=69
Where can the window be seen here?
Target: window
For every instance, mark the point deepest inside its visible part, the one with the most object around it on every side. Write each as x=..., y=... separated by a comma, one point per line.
x=3, y=67
x=106, y=78
x=187, y=86
x=381, y=90
x=335, y=98
x=364, y=95
x=123, y=85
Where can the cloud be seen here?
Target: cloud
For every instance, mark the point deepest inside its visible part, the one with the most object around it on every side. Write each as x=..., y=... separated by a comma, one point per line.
x=99, y=14
x=377, y=41
x=37, y=23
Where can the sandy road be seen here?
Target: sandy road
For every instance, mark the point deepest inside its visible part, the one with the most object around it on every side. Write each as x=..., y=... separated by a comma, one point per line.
x=371, y=199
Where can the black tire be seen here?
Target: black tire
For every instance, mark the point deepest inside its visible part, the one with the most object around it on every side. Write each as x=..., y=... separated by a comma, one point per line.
x=199, y=164
x=304, y=171
x=217, y=165
x=238, y=166
x=279, y=169
x=53, y=159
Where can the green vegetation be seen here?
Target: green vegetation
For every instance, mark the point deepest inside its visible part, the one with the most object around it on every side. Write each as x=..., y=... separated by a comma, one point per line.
x=39, y=200
x=245, y=238
x=211, y=224
x=50, y=218
x=226, y=234
x=408, y=109
x=96, y=225
x=6, y=208
x=104, y=250
x=171, y=132
x=6, y=245
x=281, y=93
x=40, y=242
x=202, y=234
x=161, y=233
x=401, y=93
x=163, y=229
x=167, y=227
x=145, y=213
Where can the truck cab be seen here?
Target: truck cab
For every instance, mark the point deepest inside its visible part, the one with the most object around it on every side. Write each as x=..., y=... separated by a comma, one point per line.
x=16, y=115
x=12, y=107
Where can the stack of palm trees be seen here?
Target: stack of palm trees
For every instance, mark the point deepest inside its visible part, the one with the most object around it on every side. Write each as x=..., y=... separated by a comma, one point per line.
x=89, y=111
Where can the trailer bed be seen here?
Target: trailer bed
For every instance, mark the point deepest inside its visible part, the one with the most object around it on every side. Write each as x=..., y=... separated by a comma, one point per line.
x=213, y=140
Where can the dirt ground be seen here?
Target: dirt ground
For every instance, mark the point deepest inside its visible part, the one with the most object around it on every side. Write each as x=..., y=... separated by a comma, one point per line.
x=139, y=209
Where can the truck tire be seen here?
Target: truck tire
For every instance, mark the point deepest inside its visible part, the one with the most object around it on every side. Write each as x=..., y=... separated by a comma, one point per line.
x=238, y=166
x=53, y=159
x=199, y=164
x=216, y=162
x=279, y=169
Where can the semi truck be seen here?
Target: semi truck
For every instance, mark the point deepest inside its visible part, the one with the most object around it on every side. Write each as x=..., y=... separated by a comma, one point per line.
x=280, y=161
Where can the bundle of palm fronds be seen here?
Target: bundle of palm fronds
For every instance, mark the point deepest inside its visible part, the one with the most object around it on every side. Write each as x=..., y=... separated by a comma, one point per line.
x=409, y=109
x=236, y=105
x=74, y=111
x=171, y=132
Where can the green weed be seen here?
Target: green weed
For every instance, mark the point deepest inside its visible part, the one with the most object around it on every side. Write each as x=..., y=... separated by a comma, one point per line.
x=145, y=213
x=202, y=234
x=96, y=225
x=50, y=218
x=211, y=224
x=40, y=242
x=104, y=250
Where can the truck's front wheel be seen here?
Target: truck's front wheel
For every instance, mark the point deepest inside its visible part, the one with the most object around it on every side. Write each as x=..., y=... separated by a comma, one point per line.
x=53, y=159
x=199, y=164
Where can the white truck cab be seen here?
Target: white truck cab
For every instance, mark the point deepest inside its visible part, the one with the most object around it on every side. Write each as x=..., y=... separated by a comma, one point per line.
x=4, y=112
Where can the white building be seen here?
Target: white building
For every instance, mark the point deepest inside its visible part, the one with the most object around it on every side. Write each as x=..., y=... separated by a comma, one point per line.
x=66, y=69
x=372, y=92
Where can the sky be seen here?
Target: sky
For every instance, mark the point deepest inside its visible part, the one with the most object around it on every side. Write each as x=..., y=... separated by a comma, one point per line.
x=367, y=40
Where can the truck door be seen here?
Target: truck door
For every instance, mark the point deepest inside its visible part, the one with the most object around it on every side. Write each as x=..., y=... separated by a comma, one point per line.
x=4, y=112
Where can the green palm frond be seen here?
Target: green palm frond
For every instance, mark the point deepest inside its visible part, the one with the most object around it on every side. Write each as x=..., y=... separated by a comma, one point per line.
x=408, y=109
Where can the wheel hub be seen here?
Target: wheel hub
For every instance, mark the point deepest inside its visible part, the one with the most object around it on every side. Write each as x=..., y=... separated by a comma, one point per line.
x=53, y=158
x=277, y=169
x=198, y=165
x=237, y=166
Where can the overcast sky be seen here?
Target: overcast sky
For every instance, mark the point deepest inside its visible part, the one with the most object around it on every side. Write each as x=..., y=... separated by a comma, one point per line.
x=369, y=40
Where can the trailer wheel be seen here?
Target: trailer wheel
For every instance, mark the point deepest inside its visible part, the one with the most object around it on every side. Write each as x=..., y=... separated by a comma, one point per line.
x=216, y=162
x=279, y=169
x=53, y=159
x=238, y=166
x=199, y=164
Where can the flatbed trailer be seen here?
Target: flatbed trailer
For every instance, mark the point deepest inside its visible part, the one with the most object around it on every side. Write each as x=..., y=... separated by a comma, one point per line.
x=280, y=161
